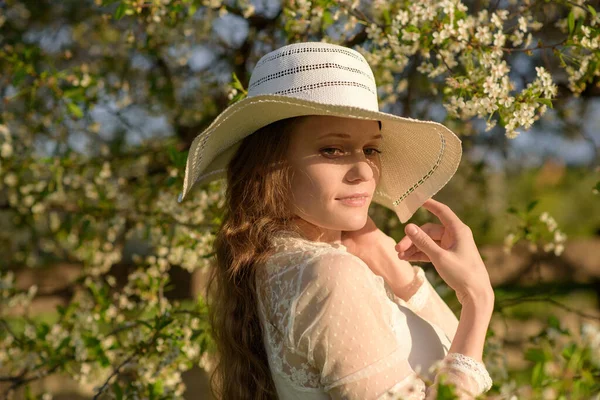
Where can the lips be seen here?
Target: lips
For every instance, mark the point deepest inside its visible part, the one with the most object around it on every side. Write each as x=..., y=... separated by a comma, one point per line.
x=354, y=196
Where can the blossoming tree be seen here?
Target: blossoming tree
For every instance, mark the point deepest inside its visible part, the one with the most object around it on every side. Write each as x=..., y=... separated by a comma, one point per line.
x=100, y=100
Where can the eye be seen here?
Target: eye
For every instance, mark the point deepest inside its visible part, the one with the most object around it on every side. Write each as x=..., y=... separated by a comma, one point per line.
x=328, y=150
x=376, y=151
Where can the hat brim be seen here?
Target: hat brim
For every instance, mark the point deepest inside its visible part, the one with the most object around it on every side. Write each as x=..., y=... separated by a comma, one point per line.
x=418, y=157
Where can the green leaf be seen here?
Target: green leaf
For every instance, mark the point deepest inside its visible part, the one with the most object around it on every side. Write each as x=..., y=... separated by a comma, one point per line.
x=75, y=93
x=553, y=322
x=535, y=355
x=237, y=98
x=597, y=187
x=545, y=101
x=158, y=388
x=538, y=374
x=75, y=110
x=177, y=157
x=512, y=210
x=236, y=83
x=171, y=181
x=568, y=351
x=571, y=21
x=532, y=205
x=117, y=391
x=42, y=330
x=327, y=19
x=386, y=16
x=62, y=345
x=578, y=25
x=592, y=10
x=445, y=391
x=120, y=11
x=18, y=77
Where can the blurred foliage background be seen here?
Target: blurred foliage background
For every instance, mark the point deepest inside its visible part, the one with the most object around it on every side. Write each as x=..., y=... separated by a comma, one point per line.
x=102, y=271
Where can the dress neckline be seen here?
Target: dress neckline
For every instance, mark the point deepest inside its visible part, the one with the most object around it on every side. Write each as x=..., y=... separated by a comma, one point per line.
x=287, y=236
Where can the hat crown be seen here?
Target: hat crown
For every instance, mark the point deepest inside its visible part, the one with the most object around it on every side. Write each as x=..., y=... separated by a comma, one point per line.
x=316, y=71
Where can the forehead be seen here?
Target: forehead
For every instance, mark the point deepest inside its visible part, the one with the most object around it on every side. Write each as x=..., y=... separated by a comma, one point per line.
x=315, y=126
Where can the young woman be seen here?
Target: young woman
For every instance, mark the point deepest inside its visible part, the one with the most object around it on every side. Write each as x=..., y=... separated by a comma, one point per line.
x=308, y=298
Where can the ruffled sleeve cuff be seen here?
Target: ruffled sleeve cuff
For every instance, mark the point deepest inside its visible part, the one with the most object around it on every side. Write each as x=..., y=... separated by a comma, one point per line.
x=472, y=368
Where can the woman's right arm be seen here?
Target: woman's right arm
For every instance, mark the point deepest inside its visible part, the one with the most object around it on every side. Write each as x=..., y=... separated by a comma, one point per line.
x=473, y=324
x=347, y=328
x=450, y=247
x=469, y=341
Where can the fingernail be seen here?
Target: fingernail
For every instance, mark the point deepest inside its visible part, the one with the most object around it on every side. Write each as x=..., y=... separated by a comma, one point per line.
x=411, y=229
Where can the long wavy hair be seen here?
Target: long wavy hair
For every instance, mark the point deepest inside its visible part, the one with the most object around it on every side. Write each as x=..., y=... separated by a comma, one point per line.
x=257, y=198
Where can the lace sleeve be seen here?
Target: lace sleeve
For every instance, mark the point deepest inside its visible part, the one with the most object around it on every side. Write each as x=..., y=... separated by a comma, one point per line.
x=350, y=331
x=427, y=303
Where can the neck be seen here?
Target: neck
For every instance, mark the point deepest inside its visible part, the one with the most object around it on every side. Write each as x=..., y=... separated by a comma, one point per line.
x=318, y=233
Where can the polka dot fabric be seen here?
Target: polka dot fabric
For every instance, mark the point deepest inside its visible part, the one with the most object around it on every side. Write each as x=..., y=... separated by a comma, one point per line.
x=333, y=329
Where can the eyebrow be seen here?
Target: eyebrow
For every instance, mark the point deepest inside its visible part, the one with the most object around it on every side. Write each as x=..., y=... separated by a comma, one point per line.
x=346, y=136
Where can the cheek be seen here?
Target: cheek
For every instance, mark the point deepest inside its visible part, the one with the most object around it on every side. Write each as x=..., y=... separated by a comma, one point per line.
x=376, y=168
x=314, y=186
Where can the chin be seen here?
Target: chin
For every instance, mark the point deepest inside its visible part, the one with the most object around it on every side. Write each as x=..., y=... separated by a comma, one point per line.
x=354, y=222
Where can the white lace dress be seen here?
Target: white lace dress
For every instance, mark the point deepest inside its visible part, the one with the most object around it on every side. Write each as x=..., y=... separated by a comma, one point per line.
x=334, y=329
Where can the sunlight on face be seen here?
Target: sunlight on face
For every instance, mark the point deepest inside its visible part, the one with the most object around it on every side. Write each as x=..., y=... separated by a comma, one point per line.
x=327, y=167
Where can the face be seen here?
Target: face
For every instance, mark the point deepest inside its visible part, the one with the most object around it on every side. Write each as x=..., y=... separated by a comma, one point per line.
x=332, y=158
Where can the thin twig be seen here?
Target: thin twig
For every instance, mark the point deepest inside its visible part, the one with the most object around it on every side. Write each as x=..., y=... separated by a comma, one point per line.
x=512, y=302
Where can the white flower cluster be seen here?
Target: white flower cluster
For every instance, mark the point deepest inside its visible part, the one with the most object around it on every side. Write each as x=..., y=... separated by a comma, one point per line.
x=98, y=253
x=590, y=334
x=509, y=241
x=559, y=237
x=207, y=361
x=248, y=8
x=231, y=93
x=212, y=3
x=588, y=40
x=576, y=76
x=586, y=55
x=7, y=284
x=300, y=17
x=477, y=43
x=17, y=298
x=193, y=236
x=6, y=145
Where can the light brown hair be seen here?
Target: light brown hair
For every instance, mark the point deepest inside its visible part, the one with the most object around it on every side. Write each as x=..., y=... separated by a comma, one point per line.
x=258, y=183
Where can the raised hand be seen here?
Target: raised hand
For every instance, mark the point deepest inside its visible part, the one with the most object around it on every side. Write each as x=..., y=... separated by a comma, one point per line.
x=451, y=249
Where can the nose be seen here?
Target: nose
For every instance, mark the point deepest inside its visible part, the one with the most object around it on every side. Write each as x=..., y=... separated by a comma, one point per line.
x=360, y=167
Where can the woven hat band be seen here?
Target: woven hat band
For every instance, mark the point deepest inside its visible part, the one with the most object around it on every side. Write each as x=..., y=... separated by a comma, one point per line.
x=317, y=73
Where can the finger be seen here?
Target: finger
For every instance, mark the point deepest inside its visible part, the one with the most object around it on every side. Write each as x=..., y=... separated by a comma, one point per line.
x=413, y=249
x=443, y=212
x=418, y=256
x=423, y=242
x=435, y=231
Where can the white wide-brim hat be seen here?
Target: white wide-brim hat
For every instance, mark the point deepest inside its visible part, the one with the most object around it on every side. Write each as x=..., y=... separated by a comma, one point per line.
x=316, y=78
